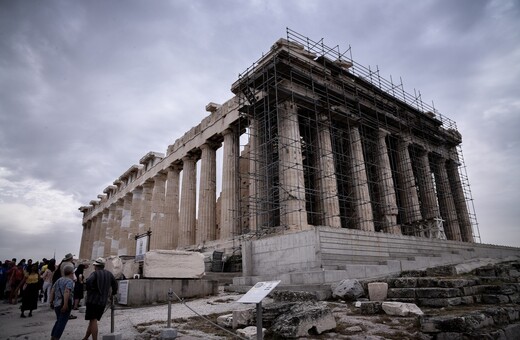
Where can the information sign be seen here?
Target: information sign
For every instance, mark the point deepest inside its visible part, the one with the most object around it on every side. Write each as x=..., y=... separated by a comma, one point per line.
x=258, y=292
x=122, y=292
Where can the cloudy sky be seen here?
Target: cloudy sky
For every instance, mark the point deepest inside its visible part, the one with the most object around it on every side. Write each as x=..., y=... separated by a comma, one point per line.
x=89, y=87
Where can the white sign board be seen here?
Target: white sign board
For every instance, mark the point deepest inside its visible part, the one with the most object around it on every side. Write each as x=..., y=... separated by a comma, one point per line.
x=122, y=292
x=258, y=292
x=141, y=248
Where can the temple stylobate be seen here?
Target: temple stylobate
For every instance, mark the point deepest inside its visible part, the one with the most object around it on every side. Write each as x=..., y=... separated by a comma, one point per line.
x=329, y=143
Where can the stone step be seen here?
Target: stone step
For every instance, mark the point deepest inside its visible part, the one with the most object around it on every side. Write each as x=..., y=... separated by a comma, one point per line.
x=486, y=323
x=223, y=278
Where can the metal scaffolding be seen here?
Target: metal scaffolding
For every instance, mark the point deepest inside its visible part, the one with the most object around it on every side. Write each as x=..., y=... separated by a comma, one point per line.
x=366, y=155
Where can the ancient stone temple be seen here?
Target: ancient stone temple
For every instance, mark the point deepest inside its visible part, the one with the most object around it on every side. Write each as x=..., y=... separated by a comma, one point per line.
x=311, y=143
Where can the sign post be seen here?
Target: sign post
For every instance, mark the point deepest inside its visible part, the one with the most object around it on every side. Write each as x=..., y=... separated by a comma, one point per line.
x=255, y=295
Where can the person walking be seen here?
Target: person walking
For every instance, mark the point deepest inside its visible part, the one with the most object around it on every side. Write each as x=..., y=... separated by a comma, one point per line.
x=68, y=259
x=99, y=284
x=30, y=285
x=47, y=279
x=15, y=275
x=61, y=300
x=79, y=285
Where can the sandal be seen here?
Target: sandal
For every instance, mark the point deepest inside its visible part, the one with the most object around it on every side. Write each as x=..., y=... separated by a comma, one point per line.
x=72, y=317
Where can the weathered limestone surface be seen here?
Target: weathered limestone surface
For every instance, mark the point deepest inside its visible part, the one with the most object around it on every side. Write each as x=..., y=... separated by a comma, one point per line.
x=301, y=318
x=401, y=309
x=348, y=290
x=377, y=291
x=250, y=333
x=173, y=264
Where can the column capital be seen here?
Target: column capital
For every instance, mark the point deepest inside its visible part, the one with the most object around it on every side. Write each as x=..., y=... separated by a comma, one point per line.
x=210, y=145
x=405, y=139
x=229, y=130
x=383, y=133
x=189, y=158
x=175, y=167
x=159, y=176
x=438, y=159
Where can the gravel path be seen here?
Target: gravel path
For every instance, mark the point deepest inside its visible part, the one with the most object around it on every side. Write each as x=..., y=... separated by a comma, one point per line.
x=127, y=320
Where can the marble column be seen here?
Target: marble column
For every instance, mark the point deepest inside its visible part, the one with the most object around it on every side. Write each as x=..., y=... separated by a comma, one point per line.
x=171, y=209
x=460, y=201
x=230, y=194
x=126, y=219
x=293, y=213
x=109, y=232
x=91, y=238
x=258, y=209
x=146, y=208
x=161, y=238
x=188, y=208
x=446, y=203
x=102, y=235
x=135, y=215
x=96, y=228
x=84, y=240
x=116, y=227
x=362, y=206
x=408, y=190
x=430, y=207
x=206, y=223
x=328, y=201
x=388, y=199
x=426, y=187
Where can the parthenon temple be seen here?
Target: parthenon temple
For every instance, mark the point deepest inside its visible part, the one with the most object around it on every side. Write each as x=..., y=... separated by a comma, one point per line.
x=308, y=139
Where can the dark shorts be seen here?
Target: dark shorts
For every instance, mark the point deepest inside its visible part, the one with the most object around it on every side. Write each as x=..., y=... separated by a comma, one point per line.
x=94, y=311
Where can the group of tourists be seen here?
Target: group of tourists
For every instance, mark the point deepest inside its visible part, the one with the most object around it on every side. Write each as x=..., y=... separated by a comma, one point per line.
x=60, y=286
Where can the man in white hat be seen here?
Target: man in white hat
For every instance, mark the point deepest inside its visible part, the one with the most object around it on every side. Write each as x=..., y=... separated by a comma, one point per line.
x=99, y=284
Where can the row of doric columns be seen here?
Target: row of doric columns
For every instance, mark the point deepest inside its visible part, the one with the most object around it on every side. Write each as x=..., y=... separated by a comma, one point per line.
x=166, y=206
x=421, y=194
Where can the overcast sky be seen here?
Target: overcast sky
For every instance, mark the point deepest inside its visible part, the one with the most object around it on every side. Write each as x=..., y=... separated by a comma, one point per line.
x=89, y=87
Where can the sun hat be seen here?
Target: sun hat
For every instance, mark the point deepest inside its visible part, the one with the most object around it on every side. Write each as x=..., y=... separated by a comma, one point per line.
x=99, y=262
x=67, y=257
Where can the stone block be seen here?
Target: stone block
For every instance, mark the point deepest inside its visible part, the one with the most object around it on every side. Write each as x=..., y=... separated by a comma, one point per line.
x=377, y=291
x=130, y=268
x=348, y=290
x=408, y=300
x=396, y=293
x=500, y=315
x=243, y=318
x=467, y=300
x=440, y=302
x=225, y=320
x=403, y=282
x=467, y=291
x=173, y=264
x=449, y=336
x=113, y=264
x=434, y=293
x=168, y=333
x=486, y=272
x=301, y=318
x=512, y=331
x=371, y=307
x=401, y=308
x=458, y=324
x=514, y=298
x=250, y=333
x=494, y=299
x=441, y=271
x=354, y=329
